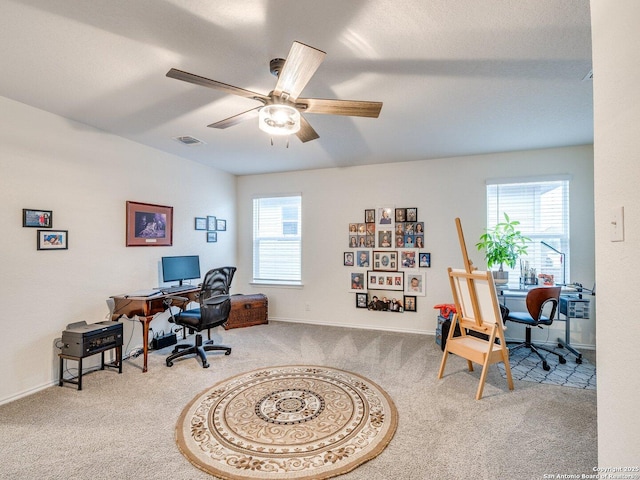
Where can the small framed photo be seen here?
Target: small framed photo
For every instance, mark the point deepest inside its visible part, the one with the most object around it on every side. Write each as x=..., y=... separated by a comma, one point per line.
x=385, y=260
x=357, y=282
x=401, y=215
x=149, y=225
x=385, y=237
x=424, y=259
x=370, y=216
x=412, y=214
x=221, y=225
x=37, y=218
x=385, y=217
x=53, y=239
x=361, y=300
x=410, y=303
x=363, y=258
x=201, y=223
x=415, y=284
x=408, y=258
x=211, y=223
x=212, y=237
x=385, y=280
x=348, y=259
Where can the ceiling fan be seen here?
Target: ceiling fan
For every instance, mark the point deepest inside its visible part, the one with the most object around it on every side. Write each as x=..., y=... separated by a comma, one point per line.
x=280, y=112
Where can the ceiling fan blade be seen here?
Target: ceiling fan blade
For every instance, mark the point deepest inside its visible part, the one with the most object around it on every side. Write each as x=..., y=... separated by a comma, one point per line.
x=306, y=132
x=236, y=119
x=302, y=62
x=206, y=82
x=352, y=108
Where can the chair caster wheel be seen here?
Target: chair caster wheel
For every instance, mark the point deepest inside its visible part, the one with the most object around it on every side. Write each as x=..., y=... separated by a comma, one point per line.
x=578, y=360
x=205, y=365
x=562, y=360
x=228, y=352
x=546, y=366
x=169, y=364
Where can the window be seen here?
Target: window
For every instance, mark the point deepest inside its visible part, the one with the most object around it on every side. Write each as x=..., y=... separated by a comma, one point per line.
x=542, y=208
x=277, y=235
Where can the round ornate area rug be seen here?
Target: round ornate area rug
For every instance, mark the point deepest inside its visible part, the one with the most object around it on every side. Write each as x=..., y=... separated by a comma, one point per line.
x=287, y=422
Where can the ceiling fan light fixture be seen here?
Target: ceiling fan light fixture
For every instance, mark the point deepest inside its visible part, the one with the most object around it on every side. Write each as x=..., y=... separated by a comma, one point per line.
x=279, y=119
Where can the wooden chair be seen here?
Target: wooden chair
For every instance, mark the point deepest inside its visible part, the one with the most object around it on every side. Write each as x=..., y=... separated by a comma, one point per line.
x=477, y=310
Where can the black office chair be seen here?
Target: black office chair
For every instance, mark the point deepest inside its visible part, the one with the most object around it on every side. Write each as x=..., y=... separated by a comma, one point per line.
x=213, y=312
x=542, y=304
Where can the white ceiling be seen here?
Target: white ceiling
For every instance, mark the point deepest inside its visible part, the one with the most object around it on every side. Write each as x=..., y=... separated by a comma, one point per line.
x=457, y=77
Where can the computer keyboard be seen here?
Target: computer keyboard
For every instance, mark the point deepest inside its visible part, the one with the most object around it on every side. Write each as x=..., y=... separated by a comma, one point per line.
x=178, y=288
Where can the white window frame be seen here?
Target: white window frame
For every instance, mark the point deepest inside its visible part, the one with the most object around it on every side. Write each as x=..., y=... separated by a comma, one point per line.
x=277, y=240
x=541, y=219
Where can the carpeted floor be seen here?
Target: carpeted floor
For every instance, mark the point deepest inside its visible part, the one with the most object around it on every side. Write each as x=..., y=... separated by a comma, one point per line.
x=123, y=426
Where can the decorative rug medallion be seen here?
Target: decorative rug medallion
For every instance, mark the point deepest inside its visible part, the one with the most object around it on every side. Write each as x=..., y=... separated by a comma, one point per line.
x=287, y=422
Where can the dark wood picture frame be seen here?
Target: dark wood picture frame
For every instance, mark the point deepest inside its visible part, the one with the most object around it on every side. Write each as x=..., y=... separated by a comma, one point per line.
x=362, y=300
x=149, y=225
x=410, y=303
x=200, y=223
x=53, y=239
x=35, y=218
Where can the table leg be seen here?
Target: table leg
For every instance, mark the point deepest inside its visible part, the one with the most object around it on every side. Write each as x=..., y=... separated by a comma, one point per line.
x=145, y=339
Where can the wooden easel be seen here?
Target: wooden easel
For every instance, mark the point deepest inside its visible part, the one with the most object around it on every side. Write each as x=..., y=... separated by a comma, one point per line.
x=477, y=310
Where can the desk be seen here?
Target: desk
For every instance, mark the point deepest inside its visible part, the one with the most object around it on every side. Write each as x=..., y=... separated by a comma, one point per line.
x=571, y=305
x=145, y=308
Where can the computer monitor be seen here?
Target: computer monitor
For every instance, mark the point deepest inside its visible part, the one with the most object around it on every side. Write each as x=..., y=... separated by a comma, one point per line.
x=180, y=268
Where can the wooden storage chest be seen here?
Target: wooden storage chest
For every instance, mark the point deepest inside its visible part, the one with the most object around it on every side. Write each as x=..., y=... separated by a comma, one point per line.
x=248, y=310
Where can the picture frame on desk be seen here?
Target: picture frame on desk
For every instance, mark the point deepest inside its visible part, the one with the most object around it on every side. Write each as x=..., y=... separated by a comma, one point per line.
x=149, y=225
x=37, y=218
x=53, y=239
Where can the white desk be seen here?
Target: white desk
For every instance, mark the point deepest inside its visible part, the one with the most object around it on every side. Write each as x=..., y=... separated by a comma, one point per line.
x=572, y=305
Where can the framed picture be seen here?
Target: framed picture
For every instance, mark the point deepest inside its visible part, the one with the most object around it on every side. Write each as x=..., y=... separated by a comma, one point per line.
x=370, y=216
x=221, y=225
x=201, y=223
x=357, y=282
x=363, y=258
x=385, y=238
x=361, y=300
x=53, y=239
x=408, y=258
x=149, y=225
x=401, y=215
x=385, y=260
x=211, y=223
x=419, y=241
x=424, y=259
x=415, y=284
x=384, y=217
x=353, y=241
x=37, y=218
x=412, y=214
x=385, y=280
x=348, y=259
x=410, y=303
x=212, y=237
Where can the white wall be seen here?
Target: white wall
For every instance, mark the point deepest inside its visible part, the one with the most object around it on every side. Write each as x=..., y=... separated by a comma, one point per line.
x=441, y=190
x=85, y=176
x=617, y=170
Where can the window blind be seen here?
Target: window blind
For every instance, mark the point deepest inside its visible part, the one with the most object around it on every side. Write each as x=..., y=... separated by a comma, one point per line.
x=277, y=239
x=542, y=208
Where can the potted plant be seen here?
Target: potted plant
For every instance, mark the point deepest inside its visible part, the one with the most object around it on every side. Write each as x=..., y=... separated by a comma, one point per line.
x=503, y=244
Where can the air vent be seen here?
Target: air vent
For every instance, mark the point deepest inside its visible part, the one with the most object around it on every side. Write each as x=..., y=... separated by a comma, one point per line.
x=188, y=140
x=588, y=76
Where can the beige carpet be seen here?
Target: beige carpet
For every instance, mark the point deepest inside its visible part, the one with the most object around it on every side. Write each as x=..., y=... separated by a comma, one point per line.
x=287, y=422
